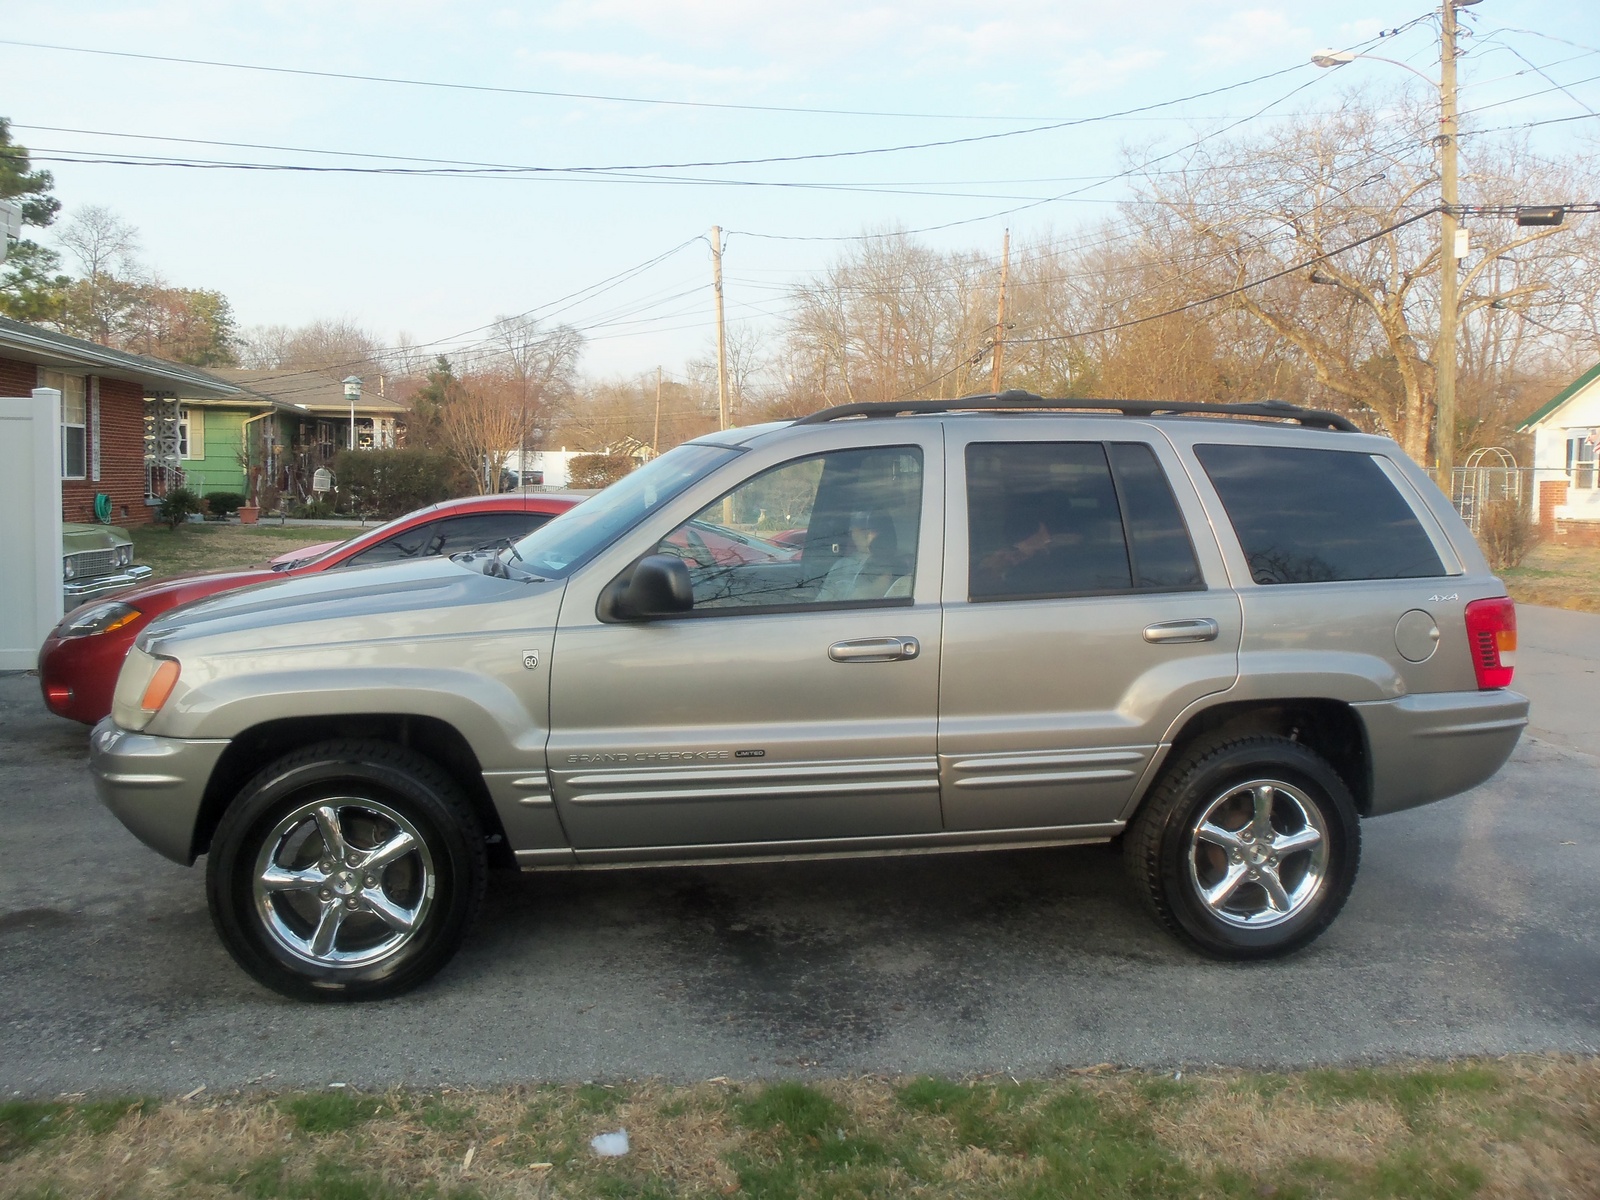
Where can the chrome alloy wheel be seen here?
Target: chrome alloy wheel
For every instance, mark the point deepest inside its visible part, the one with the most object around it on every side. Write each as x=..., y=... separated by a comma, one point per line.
x=343, y=882
x=1258, y=854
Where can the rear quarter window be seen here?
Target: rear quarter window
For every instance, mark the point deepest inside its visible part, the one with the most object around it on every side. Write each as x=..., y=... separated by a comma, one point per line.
x=1316, y=516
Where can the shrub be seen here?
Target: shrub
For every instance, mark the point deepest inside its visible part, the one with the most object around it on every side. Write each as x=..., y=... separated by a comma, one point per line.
x=177, y=504
x=1506, y=532
x=312, y=510
x=223, y=504
x=598, y=470
x=387, y=483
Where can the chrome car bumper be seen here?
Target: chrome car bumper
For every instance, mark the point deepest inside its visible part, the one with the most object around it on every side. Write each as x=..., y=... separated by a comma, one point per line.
x=79, y=591
x=153, y=785
x=1435, y=744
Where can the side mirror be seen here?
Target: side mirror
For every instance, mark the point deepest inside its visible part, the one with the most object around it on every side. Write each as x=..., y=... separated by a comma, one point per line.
x=659, y=587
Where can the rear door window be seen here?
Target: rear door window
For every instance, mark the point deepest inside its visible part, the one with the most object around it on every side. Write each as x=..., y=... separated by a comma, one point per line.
x=1070, y=519
x=1314, y=516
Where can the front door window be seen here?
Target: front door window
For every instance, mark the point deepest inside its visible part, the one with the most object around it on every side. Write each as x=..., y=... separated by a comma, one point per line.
x=833, y=529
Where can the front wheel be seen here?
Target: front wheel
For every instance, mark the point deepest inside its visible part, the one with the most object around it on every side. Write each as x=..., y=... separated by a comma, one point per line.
x=1247, y=848
x=346, y=871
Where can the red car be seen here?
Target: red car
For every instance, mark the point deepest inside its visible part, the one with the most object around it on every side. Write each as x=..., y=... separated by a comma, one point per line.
x=79, y=661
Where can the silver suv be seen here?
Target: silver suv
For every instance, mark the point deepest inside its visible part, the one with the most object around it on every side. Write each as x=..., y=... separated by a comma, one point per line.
x=1223, y=635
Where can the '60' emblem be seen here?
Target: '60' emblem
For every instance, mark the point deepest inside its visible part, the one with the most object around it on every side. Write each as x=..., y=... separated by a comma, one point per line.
x=530, y=659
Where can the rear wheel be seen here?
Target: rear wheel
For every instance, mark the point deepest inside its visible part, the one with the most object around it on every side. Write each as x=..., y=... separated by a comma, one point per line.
x=346, y=871
x=1247, y=847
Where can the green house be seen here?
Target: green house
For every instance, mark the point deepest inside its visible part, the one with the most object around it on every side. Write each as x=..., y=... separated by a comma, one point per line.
x=280, y=428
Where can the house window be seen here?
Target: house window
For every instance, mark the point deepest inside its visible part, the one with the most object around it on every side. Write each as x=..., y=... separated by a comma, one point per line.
x=1581, y=457
x=74, y=422
x=191, y=434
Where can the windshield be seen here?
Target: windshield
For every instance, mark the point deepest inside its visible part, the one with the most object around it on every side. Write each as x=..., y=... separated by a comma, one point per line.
x=577, y=535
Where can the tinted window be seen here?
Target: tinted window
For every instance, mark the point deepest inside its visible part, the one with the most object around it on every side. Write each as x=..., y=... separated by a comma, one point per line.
x=456, y=534
x=836, y=528
x=1043, y=520
x=1308, y=516
x=1163, y=557
x=410, y=543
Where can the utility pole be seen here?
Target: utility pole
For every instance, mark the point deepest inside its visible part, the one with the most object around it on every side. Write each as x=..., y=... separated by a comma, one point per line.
x=1444, y=435
x=722, y=333
x=655, y=441
x=1000, y=315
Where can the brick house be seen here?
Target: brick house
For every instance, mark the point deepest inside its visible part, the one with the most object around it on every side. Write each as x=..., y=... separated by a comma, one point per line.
x=115, y=410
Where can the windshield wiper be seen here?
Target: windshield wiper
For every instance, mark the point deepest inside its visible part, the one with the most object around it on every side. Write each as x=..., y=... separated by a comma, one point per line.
x=497, y=566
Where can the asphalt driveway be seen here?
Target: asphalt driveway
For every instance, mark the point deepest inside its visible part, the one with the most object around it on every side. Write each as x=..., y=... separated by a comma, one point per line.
x=1472, y=930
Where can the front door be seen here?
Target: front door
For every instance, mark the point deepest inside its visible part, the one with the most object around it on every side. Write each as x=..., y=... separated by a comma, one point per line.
x=1081, y=618
x=797, y=702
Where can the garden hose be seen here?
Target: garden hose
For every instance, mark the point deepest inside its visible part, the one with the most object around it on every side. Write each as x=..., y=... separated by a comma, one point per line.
x=102, y=508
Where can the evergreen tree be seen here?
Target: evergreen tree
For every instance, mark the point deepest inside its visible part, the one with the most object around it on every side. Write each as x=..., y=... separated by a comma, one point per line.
x=32, y=287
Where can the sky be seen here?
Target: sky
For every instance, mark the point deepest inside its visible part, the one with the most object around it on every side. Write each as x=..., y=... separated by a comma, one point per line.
x=643, y=117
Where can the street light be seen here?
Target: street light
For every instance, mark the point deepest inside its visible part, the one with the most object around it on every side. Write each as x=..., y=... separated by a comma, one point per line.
x=1450, y=247
x=352, y=393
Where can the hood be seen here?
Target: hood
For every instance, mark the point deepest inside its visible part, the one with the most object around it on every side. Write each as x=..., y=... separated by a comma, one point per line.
x=416, y=598
x=181, y=589
x=77, y=537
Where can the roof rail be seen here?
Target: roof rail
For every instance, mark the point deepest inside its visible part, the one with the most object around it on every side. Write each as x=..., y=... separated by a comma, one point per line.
x=1026, y=401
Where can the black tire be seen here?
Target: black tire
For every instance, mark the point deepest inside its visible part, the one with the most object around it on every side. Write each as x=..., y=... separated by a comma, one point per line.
x=274, y=888
x=1174, y=869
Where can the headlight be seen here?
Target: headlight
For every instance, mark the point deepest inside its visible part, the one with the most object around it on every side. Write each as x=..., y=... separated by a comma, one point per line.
x=143, y=686
x=124, y=555
x=69, y=567
x=99, y=618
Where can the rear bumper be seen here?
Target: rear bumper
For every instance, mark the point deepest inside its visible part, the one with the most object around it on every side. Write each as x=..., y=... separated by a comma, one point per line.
x=1426, y=747
x=153, y=785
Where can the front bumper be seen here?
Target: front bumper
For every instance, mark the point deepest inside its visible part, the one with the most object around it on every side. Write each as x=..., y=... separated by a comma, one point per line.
x=1431, y=745
x=153, y=785
x=81, y=591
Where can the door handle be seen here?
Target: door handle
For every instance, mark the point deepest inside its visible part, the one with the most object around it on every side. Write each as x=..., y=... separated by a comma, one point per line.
x=884, y=649
x=1204, y=629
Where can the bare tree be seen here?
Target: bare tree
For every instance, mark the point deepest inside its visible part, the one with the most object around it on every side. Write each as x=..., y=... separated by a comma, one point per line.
x=336, y=346
x=478, y=425
x=106, y=249
x=890, y=319
x=542, y=366
x=1343, y=203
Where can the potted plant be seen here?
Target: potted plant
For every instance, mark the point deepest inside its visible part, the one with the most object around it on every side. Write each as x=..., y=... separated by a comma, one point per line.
x=250, y=510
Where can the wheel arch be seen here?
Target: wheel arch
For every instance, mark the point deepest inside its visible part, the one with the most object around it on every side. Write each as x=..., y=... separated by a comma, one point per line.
x=1330, y=728
x=431, y=737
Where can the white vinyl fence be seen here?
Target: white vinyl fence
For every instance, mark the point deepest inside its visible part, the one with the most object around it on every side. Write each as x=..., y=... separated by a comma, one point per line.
x=30, y=524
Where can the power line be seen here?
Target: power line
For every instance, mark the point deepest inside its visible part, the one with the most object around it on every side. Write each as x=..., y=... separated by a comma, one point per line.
x=501, y=90
x=766, y=160
x=1234, y=291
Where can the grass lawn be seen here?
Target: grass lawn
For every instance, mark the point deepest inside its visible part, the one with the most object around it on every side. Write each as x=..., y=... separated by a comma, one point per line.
x=1560, y=576
x=1511, y=1127
x=210, y=546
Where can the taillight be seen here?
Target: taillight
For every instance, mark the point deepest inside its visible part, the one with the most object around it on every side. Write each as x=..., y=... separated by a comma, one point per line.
x=1492, y=634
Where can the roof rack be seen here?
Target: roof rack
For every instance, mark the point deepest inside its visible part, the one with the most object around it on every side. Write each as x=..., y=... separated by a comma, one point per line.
x=1014, y=400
